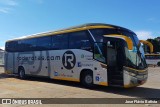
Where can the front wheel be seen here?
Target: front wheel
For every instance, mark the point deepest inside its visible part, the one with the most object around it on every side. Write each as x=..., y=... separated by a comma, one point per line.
x=21, y=73
x=87, y=79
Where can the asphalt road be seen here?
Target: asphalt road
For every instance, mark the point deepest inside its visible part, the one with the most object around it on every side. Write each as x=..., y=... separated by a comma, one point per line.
x=12, y=87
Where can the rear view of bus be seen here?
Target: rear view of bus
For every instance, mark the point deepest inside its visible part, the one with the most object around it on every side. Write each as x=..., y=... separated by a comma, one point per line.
x=98, y=54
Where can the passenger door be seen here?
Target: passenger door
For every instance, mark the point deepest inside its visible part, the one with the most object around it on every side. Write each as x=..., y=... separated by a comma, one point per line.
x=115, y=61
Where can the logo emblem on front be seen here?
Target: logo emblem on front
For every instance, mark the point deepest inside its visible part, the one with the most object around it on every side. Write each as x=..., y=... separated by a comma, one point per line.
x=69, y=60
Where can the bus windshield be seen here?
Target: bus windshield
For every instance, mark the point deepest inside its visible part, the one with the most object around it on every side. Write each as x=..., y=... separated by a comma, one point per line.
x=134, y=58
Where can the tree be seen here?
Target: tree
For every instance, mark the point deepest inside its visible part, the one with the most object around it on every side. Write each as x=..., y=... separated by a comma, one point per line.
x=156, y=45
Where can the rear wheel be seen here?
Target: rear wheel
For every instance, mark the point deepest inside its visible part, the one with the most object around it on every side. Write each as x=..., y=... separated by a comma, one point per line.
x=21, y=73
x=158, y=63
x=87, y=79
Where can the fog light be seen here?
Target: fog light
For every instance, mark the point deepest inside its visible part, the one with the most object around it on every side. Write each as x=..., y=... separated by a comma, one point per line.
x=141, y=81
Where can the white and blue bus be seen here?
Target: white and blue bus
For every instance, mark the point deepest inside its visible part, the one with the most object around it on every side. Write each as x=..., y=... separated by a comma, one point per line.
x=99, y=54
x=153, y=59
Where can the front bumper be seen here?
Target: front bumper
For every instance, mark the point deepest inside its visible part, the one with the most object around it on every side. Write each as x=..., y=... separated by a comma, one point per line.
x=134, y=79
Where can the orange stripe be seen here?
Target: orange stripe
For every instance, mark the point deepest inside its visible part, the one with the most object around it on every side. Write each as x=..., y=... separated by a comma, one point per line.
x=103, y=83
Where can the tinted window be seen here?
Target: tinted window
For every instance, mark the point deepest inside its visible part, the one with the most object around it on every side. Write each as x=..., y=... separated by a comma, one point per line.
x=147, y=57
x=10, y=46
x=60, y=41
x=44, y=43
x=98, y=33
x=99, y=52
x=152, y=57
x=79, y=40
x=26, y=45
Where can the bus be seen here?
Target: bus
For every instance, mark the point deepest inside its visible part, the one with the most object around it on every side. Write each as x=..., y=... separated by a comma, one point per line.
x=147, y=46
x=153, y=59
x=92, y=54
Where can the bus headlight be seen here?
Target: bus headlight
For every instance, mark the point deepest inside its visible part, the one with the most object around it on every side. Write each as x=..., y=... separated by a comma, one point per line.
x=132, y=74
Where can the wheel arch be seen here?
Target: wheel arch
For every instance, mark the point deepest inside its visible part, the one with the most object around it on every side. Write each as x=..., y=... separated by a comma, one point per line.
x=83, y=72
x=158, y=63
x=19, y=67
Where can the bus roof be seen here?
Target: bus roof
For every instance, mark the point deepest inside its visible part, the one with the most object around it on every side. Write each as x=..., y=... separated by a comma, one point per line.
x=72, y=29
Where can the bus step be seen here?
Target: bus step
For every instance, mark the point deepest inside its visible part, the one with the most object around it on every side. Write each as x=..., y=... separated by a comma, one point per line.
x=116, y=82
x=119, y=77
x=117, y=73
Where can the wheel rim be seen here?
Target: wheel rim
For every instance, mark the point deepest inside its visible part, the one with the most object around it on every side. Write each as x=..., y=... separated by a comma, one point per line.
x=88, y=79
x=21, y=73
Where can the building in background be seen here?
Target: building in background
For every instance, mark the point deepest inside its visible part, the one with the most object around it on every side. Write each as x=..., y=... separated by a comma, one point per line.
x=1, y=57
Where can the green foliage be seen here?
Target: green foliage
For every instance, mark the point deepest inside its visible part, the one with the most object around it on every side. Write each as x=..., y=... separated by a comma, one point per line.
x=156, y=45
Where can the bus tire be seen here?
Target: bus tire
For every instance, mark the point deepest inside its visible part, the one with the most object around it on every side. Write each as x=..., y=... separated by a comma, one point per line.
x=158, y=63
x=87, y=78
x=21, y=73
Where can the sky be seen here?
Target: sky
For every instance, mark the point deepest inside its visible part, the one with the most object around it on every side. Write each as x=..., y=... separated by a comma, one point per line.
x=25, y=17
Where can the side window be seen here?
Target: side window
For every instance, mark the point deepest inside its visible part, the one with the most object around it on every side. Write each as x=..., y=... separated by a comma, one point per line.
x=11, y=46
x=98, y=34
x=152, y=57
x=20, y=46
x=60, y=41
x=7, y=46
x=43, y=43
x=27, y=44
x=99, y=53
x=31, y=43
x=79, y=40
x=146, y=57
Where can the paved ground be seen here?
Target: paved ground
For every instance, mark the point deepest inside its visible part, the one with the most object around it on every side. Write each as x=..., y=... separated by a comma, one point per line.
x=12, y=87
